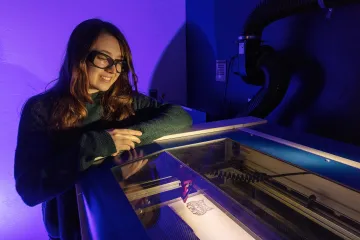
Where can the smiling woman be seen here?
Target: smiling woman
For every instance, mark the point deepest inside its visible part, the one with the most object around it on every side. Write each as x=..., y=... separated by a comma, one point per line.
x=99, y=60
x=93, y=111
x=103, y=51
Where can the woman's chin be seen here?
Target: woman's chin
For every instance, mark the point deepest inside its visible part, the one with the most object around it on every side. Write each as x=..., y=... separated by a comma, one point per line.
x=103, y=88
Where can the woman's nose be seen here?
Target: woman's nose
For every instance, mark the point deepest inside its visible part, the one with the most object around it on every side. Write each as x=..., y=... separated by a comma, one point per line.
x=111, y=69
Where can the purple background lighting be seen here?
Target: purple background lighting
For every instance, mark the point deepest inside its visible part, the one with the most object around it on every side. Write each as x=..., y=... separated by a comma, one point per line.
x=33, y=38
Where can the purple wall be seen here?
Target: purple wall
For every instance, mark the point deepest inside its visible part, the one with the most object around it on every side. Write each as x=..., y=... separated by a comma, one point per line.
x=32, y=44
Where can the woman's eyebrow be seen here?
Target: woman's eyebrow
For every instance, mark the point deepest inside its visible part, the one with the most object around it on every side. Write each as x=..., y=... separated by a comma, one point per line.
x=109, y=53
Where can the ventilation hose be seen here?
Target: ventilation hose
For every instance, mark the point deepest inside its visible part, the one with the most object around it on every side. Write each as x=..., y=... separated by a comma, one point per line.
x=254, y=58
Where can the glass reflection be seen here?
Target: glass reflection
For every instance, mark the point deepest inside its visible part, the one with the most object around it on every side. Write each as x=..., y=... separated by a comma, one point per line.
x=223, y=190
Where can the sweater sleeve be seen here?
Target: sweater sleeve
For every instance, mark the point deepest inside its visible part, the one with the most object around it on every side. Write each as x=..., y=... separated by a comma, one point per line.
x=47, y=164
x=157, y=119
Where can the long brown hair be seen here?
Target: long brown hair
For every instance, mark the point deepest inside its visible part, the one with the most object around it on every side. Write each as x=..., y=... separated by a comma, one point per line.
x=72, y=85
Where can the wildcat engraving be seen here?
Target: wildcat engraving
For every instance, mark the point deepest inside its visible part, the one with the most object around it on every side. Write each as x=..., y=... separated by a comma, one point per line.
x=198, y=207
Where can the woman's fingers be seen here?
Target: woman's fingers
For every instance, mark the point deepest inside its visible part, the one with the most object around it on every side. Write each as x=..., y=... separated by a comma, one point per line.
x=125, y=132
x=129, y=137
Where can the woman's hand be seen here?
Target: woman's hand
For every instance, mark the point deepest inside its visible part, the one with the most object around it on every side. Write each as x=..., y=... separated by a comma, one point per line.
x=132, y=168
x=124, y=139
x=129, y=156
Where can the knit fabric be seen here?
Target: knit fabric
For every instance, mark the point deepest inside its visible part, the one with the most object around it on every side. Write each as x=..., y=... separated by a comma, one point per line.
x=49, y=163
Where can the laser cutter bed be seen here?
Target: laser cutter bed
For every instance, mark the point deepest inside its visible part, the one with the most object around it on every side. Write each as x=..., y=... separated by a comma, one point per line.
x=232, y=181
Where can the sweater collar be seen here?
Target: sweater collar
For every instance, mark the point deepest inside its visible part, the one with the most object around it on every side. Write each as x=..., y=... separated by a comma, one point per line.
x=95, y=96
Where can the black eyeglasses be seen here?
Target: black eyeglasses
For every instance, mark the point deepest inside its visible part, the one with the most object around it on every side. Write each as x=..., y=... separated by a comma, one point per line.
x=103, y=61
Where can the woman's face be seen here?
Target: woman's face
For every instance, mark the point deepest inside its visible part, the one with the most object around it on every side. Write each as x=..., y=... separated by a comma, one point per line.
x=103, y=79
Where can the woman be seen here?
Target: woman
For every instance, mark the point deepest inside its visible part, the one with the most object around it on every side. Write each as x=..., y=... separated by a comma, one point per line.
x=93, y=111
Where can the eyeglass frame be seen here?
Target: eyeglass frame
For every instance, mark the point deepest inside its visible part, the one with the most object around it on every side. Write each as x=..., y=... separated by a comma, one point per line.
x=91, y=57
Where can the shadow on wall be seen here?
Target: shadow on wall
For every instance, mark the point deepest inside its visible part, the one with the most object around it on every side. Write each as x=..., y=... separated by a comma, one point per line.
x=324, y=91
x=170, y=72
x=201, y=68
x=337, y=110
x=307, y=81
x=16, y=86
x=211, y=35
x=229, y=20
x=305, y=87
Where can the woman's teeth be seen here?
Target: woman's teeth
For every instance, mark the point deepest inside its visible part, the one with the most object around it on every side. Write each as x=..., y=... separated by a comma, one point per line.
x=106, y=78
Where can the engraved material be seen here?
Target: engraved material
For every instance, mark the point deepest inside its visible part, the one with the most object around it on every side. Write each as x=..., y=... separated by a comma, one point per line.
x=198, y=207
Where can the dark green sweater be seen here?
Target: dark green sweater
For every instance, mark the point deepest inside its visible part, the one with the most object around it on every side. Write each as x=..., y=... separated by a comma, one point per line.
x=48, y=163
